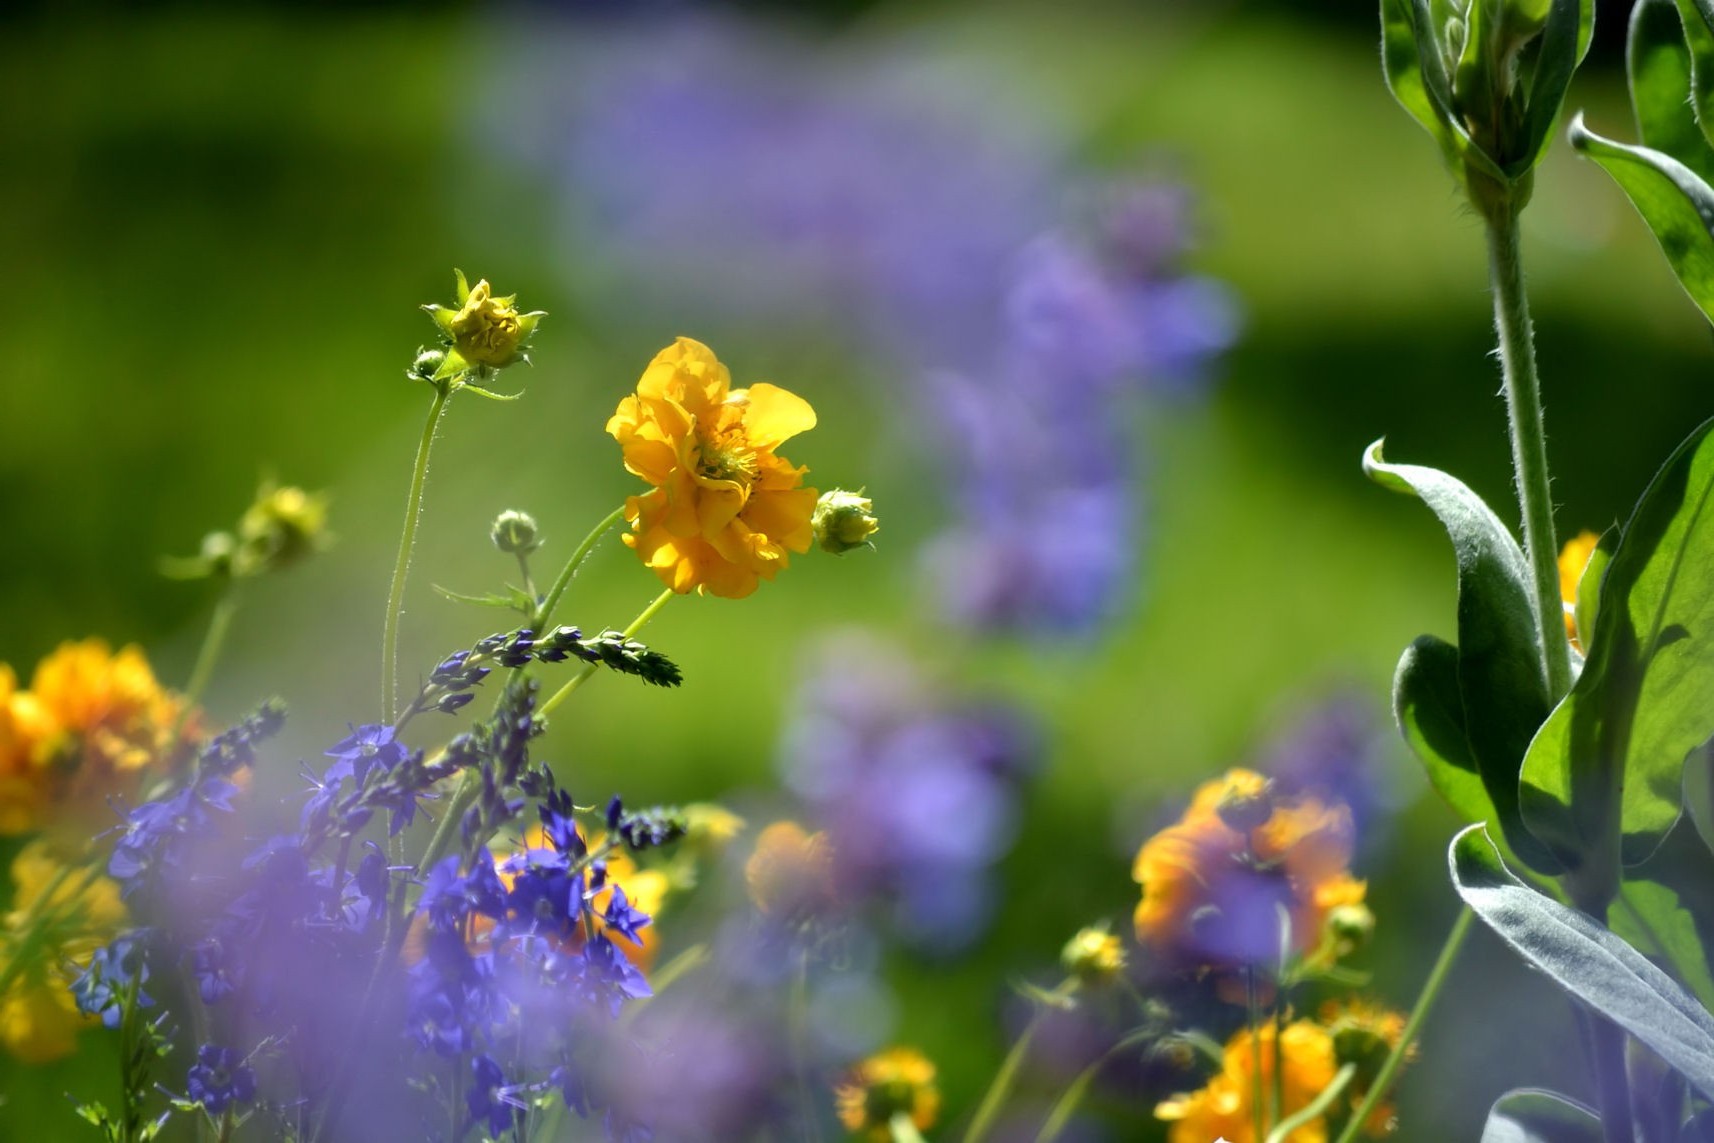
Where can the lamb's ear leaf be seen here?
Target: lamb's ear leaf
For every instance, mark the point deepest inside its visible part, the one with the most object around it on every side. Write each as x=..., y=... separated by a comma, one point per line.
x=1586, y=960
x=1530, y=1115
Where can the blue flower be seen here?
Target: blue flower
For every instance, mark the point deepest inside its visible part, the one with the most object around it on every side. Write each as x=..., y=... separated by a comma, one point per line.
x=366, y=746
x=489, y=1099
x=219, y=1077
x=100, y=989
x=622, y=918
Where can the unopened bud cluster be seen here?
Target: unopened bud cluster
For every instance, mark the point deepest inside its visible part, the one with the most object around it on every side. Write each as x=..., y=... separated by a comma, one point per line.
x=449, y=685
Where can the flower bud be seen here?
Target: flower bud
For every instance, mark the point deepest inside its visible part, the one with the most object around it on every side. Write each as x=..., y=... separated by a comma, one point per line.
x=1246, y=809
x=1094, y=955
x=843, y=520
x=1350, y=926
x=709, y=827
x=515, y=532
x=282, y=527
x=427, y=365
x=486, y=332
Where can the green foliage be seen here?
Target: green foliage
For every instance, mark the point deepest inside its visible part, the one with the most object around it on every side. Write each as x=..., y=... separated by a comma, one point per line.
x=1486, y=80
x=1659, y=65
x=1527, y=1115
x=1501, y=695
x=1586, y=960
x=1608, y=765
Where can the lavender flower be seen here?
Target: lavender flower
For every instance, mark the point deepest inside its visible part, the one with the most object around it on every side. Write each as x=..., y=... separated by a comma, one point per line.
x=917, y=793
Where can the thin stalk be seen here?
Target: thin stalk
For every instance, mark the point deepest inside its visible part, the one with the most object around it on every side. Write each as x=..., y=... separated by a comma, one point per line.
x=1316, y=1107
x=1001, y=1087
x=1424, y=1001
x=1258, y=1100
x=212, y=641
x=1072, y=1098
x=563, y=580
x=577, y=680
x=1529, y=442
x=402, y=566
x=798, y=1030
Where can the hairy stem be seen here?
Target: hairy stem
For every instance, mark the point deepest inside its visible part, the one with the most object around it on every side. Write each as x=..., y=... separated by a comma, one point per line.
x=212, y=641
x=402, y=566
x=563, y=580
x=1529, y=442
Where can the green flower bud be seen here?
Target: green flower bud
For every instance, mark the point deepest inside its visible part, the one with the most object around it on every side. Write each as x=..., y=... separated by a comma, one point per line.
x=427, y=365
x=844, y=520
x=282, y=527
x=514, y=532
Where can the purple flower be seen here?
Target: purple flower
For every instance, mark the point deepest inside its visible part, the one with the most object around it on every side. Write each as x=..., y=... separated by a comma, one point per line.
x=366, y=746
x=219, y=1077
x=489, y=1100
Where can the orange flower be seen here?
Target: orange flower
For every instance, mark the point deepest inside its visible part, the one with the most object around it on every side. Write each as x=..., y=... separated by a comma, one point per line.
x=92, y=726
x=725, y=509
x=1225, y=1108
x=1215, y=884
x=790, y=873
x=1365, y=1034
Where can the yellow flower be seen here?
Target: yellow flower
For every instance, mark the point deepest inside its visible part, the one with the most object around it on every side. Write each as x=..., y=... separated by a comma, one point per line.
x=1214, y=883
x=98, y=723
x=898, y=1080
x=1224, y=1107
x=725, y=509
x=63, y=915
x=485, y=332
x=790, y=872
x=1573, y=558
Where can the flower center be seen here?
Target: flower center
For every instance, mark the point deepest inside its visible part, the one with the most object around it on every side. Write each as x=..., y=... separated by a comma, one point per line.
x=725, y=454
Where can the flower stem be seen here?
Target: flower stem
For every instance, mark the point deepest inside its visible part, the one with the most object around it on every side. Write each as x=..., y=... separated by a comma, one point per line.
x=576, y=680
x=1424, y=1001
x=212, y=641
x=1529, y=441
x=1316, y=1107
x=551, y=600
x=1072, y=1098
x=401, y=567
x=798, y=1033
x=1001, y=1087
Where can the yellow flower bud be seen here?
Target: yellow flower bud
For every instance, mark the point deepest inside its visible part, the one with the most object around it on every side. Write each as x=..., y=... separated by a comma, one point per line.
x=485, y=332
x=1094, y=955
x=843, y=520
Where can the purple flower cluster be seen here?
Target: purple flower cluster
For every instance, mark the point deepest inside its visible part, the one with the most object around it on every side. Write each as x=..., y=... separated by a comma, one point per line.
x=378, y=992
x=917, y=793
x=905, y=206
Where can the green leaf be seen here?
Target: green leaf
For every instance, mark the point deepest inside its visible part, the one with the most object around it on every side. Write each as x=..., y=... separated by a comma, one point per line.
x=1564, y=42
x=1416, y=73
x=1651, y=918
x=1530, y=1115
x=1699, y=792
x=515, y=600
x=1604, y=778
x=1586, y=960
x=1588, y=606
x=1658, y=63
x=1500, y=684
x=1430, y=711
x=1697, y=18
x=1675, y=203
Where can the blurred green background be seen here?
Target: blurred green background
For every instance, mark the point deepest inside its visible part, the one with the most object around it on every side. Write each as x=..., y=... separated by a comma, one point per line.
x=219, y=222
